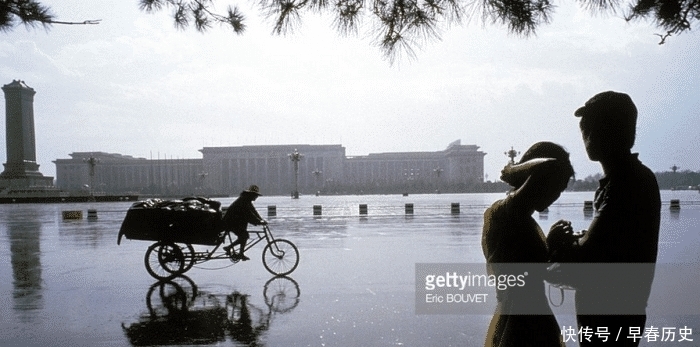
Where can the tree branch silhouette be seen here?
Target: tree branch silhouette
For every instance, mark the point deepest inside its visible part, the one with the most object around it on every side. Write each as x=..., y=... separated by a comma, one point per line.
x=398, y=26
x=31, y=13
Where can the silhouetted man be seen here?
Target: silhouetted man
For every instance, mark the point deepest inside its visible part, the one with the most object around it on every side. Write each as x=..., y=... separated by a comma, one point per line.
x=622, y=239
x=239, y=214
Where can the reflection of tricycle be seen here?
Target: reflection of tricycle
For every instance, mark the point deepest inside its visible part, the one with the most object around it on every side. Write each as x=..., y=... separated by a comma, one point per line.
x=178, y=225
x=281, y=294
x=179, y=313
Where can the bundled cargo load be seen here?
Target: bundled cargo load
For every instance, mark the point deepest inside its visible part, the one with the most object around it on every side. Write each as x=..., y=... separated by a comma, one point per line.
x=192, y=220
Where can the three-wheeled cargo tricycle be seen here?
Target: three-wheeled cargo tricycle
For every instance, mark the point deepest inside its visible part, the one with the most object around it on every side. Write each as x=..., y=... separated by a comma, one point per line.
x=177, y=225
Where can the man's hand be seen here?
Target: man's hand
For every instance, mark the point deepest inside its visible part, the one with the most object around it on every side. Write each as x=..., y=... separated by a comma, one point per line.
x=560, y=233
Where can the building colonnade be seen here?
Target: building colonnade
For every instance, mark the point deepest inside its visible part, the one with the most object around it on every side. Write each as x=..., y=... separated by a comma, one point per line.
x=321, y=168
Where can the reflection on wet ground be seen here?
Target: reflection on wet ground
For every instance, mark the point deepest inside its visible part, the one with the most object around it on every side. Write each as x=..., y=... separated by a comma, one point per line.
x=180, y=313
x=69, y=284
x=25, y=258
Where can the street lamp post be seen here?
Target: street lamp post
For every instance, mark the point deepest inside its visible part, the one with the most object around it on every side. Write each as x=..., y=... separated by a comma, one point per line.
x=202, y=178
x=674, y=177
x=92, y=162
x=512, y=154
x=295, y=157
x=317, y=173
x=438, y=171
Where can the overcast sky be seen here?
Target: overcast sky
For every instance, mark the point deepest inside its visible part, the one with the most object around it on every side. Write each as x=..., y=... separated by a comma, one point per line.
x=135, y=85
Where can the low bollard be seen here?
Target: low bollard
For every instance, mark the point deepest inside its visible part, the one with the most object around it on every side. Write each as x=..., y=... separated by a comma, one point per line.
x=454, y=208
x=92, y=214
x=72, y=214
x=317, y=210
x=675, y=205
x=363, y=209
x=272, y=211
x=409, y=208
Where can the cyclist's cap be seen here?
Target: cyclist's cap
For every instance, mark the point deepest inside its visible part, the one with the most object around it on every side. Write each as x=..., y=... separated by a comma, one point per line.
x=253, y=189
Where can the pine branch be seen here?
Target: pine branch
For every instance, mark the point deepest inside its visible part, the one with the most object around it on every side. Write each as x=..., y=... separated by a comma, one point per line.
x=85, y=22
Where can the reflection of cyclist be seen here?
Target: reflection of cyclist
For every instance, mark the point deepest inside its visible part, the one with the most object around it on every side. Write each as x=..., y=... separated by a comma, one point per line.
x=239, y=214
x=242, y=328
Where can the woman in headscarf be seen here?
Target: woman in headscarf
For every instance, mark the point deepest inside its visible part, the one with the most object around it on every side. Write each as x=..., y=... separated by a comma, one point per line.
x=511, y=236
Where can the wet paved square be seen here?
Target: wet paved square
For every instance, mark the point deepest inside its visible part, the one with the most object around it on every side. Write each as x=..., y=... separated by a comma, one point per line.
x=67, y=283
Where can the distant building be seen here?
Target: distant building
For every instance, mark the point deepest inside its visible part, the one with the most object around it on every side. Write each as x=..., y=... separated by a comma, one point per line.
x=231, y=169
x=453, y=169
x=117, y=173
x=325, y=168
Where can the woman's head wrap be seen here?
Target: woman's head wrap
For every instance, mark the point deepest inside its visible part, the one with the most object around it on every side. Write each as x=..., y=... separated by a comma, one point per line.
x=546, y=157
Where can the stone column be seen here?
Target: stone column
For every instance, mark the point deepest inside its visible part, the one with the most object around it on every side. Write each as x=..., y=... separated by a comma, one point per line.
x=21, y=166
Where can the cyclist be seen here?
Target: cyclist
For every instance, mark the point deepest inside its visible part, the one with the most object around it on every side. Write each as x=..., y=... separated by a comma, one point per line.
x=239, y=214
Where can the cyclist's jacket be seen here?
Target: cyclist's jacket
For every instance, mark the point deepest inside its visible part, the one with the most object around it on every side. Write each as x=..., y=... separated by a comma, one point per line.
x=240, y=213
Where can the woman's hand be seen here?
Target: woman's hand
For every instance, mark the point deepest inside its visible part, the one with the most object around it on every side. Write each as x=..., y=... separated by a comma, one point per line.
x=562, y=226
x=560, y=233
x=516, y=174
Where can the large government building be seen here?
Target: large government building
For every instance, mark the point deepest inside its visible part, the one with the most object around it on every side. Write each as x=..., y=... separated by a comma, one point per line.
x=319, y=168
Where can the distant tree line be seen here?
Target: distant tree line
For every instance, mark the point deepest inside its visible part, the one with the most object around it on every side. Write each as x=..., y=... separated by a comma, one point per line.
x=589, y=183
x=668, y=180
x=678, y=180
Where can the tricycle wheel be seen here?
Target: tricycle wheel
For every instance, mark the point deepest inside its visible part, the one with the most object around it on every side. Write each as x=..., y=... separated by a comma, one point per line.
x=164, y=260
x=188, y=253
x=280, y=257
